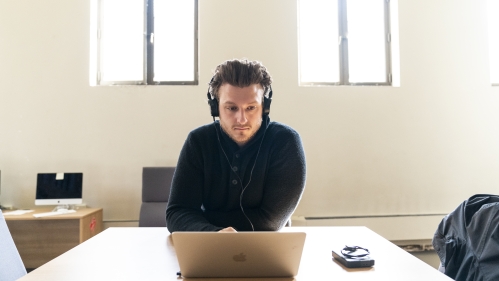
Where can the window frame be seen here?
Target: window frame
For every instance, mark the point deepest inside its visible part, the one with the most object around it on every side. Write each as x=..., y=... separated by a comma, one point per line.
x=343, y=50
x=494, y=81
x=148, y=47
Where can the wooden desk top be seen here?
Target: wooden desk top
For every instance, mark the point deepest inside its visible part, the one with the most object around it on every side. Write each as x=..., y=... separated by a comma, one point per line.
x=80, y=213
x=148, y=254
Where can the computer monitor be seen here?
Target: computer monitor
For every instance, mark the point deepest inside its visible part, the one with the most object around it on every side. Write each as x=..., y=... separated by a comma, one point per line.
x=59, y=189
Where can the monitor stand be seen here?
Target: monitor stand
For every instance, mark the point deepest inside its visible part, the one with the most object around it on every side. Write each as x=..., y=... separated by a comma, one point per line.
x=64, y=207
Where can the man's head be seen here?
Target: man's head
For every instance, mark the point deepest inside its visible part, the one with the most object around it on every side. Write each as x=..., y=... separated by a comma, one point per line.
x=240, y=73
x=239, y=87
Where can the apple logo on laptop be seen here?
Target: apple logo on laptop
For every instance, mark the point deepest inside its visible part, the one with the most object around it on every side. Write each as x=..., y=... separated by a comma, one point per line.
x=239, y=258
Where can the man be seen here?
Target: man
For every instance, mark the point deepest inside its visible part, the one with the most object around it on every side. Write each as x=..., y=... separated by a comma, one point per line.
x=243, y=172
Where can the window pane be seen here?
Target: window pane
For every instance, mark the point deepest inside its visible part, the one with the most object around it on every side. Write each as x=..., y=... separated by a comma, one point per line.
x=493, y=10
x=318, y=41
x=174, y=39
x=122, y=40
x=93, y=42
x=366, y=41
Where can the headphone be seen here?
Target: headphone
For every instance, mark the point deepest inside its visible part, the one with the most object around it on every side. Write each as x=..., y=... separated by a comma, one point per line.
x=213, y=102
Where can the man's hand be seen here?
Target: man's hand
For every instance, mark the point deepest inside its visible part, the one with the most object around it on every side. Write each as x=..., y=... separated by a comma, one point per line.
x=228, y=229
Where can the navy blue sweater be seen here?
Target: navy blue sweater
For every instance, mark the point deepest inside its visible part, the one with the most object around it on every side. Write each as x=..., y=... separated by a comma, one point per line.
x=206, y=189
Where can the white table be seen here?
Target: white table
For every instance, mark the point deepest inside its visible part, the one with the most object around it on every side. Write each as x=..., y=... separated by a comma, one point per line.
x=148, y=254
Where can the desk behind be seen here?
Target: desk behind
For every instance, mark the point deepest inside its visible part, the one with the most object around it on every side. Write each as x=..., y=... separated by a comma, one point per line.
x=39, y=240
x=148, y=254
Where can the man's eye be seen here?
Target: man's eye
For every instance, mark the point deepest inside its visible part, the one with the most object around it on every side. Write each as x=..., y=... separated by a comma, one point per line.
x=232, y=108
x=251, y=107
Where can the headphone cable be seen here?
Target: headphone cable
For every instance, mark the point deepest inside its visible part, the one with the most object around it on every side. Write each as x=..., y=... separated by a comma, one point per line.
x=252, y=168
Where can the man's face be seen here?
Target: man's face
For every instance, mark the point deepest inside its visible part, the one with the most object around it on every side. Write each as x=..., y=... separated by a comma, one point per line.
x=240, y=111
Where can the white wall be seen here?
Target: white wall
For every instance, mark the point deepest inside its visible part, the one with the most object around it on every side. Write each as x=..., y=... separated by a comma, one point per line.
x=420, y=148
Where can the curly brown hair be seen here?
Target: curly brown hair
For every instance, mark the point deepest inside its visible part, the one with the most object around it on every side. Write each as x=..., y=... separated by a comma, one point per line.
x=240, y=73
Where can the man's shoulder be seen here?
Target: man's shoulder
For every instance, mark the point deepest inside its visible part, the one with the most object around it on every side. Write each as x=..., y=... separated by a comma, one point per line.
x=203, y=130
x=201, y=135
x=280, y=129
x=285, y=140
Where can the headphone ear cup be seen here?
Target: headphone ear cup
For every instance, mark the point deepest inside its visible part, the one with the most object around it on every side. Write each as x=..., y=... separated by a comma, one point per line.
x=266, y=106
x=213, y=107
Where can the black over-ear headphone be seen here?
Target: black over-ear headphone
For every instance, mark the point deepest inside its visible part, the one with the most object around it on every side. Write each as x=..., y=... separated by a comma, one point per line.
x=213, y=102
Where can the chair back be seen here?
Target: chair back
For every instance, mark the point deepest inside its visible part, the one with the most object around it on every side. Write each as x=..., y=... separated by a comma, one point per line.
x=11, y=265
x=156, y=182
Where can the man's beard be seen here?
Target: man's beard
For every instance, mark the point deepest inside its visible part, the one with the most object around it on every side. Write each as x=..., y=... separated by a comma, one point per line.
x=240, y=141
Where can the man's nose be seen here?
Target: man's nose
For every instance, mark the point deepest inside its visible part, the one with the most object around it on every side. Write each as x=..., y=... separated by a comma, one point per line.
x=241, y=117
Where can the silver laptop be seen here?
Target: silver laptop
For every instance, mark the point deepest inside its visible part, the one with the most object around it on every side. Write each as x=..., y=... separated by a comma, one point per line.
x=241, y=254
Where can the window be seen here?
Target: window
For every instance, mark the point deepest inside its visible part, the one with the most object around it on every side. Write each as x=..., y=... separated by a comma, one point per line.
x=344, y=42
x=143, y=42
x=492, y=10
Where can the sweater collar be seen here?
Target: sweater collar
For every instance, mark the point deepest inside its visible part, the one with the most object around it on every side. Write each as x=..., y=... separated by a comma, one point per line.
x=234, y=147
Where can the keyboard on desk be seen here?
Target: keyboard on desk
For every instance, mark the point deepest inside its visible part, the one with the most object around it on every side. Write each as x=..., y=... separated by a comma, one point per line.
x=60, y=212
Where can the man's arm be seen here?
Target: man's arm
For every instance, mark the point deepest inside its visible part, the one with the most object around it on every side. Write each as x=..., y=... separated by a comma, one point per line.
x=284, y=185
x=183, y=212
